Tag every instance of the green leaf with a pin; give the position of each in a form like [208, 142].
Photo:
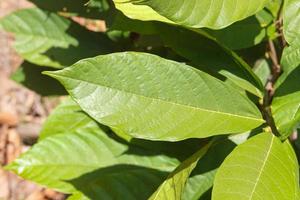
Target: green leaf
[263, 70]
[261, 168]
[66, 118]
[140, 12]
[291, 21]
[69, 118]
[173, 186]
[119, 182]
[199, 186]
[62, 160]
[197, 13]
[286, 104]
[30, 76]
[274, 7]
[47, 39]
[249, 31]
[202, 48]
[153, 98]
[211, 57]
[77, 196]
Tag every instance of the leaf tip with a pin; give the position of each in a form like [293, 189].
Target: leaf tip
[48, 73]
[52, 74]
[11, 167]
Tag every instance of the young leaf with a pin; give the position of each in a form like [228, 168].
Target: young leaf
[47, 39]
[153, 98]
[261, 168]
[197, 13]
[291, 21]
[173, 186]
[64, 161]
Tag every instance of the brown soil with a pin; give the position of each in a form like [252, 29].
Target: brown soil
[22, 113]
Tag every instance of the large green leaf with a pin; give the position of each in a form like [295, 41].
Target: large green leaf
[209, 56]
[64, 161]
[153, 98]
[69, 118]
[202, 48]
[261, 168]
[291, 21]
[47, 39]
[197, 13]
[173, 186]
[286, 104]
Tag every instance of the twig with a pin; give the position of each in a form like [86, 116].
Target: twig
[276, 69]
[269, 89]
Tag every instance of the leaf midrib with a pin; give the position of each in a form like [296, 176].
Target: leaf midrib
[162, 100]
[262, 168]
[54, 40]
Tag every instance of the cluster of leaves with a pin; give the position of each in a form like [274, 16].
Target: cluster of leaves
[170, 114]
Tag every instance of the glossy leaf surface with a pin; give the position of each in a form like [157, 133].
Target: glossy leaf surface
[261, 168]
[152, 98]
[207, 55]
[66, 118]
[197, 13]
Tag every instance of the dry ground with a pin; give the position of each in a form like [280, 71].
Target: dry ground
[21, 114]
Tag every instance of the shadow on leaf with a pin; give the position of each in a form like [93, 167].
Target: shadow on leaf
[290, 85]
[119, 182]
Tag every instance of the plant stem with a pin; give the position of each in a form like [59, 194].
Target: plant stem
[269, 89]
